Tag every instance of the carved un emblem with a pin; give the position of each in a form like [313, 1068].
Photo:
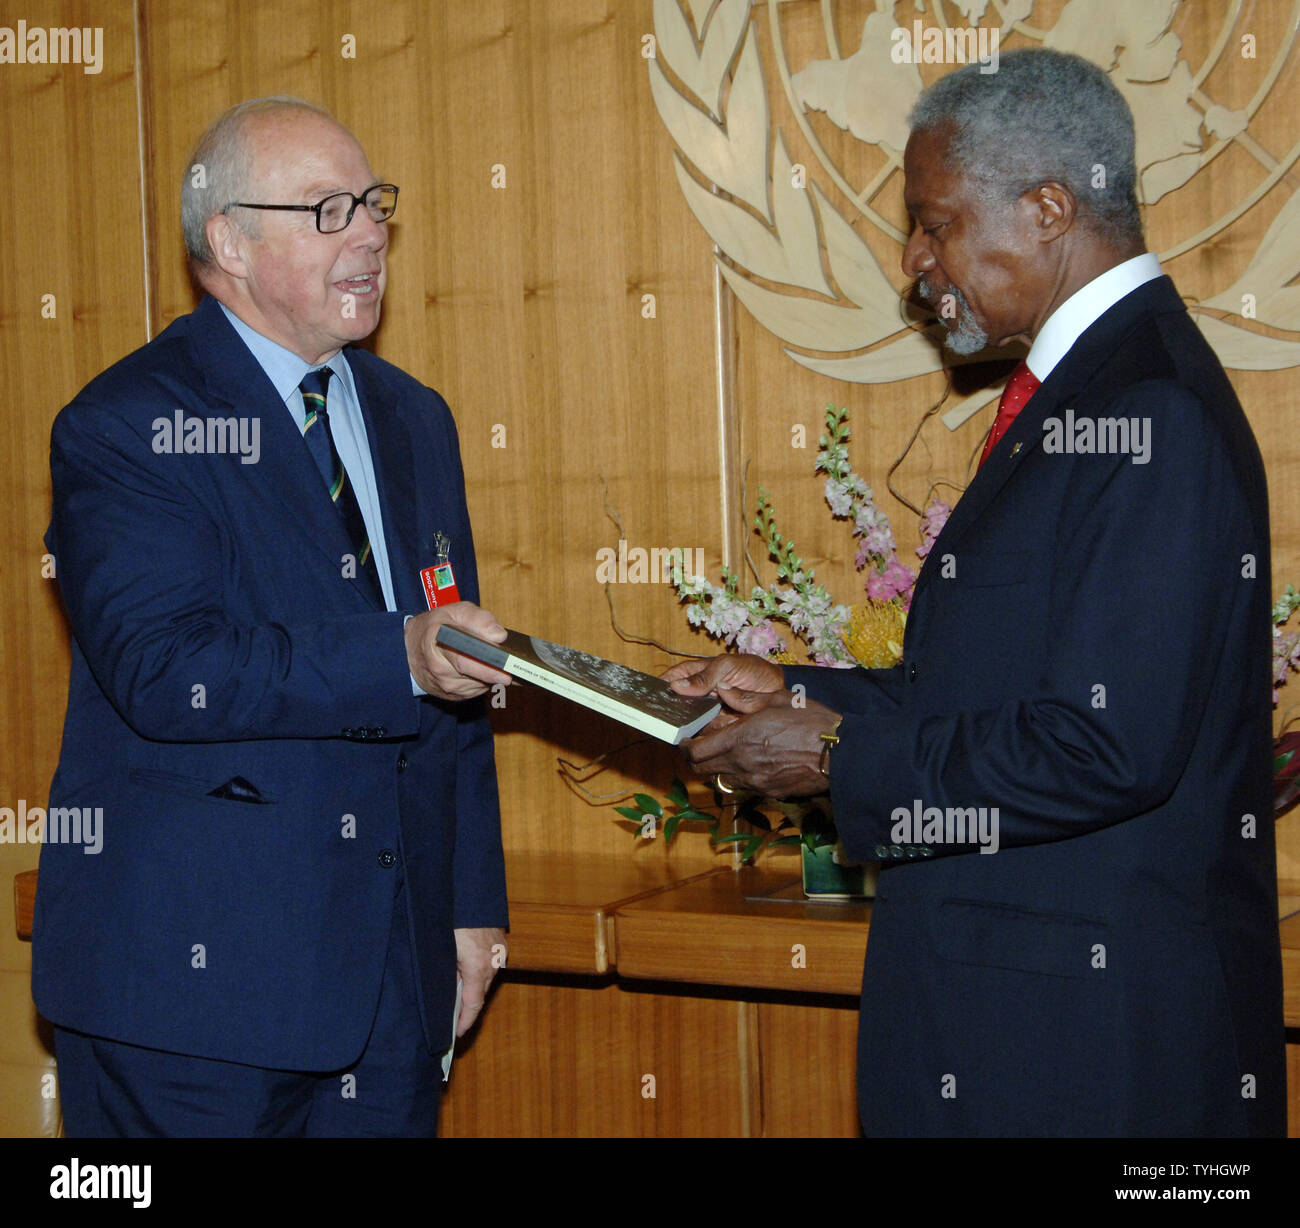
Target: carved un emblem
[803, 243]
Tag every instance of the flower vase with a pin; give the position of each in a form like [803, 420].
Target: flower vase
[828, 874]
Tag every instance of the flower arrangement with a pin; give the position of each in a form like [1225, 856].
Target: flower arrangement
[1286, 644]
[1286, 657]
[869, 633]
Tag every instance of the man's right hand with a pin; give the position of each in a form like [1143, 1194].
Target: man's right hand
[732, 671]
[446, 674]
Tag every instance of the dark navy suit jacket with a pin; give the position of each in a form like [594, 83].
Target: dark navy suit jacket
[216, 637]
[1088, 650]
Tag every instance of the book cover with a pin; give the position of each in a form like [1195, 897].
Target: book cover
[640, 700]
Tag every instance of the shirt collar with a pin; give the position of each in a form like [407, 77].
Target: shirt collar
[1085, 306]
[283, 367]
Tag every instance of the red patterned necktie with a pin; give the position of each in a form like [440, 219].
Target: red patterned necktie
[1015, 396]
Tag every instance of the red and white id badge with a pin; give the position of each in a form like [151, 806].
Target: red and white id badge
[439, 580]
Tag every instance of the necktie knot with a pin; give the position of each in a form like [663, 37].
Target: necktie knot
[315, 391]
[1022, 385]
[1015, 396]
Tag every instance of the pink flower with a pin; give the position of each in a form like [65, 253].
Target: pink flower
[879, 539]
[932, 522]
[894, 581]
[759, 638]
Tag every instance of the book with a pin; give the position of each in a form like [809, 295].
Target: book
[640, 700]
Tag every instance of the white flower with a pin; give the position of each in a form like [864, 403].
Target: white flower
[839, 497]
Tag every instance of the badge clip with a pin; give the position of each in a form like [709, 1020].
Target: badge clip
[439, 580]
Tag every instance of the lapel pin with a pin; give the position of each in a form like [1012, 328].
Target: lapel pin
[1016, 448]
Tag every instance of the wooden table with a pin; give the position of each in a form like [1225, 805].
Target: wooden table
[750, 928]
[562, 910]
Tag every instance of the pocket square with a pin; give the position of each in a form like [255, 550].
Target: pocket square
[237, 789]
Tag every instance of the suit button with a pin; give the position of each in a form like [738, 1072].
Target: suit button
[380, 731]
[349, 732]
[881, 852]
[402, 763]
[911, 672]
[387, 858]
[895, 850]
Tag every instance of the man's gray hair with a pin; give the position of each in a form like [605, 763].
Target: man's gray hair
[1043, 116]
[220, 169]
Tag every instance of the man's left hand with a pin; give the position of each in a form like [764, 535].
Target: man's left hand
[774, 748]
[479, 953]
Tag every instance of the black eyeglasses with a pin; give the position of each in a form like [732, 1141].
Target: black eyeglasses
[335, 212]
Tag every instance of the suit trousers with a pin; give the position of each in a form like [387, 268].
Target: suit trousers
[114, 1090]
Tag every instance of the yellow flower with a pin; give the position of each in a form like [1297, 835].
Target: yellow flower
[874, 636]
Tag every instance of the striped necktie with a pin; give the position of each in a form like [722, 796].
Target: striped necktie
[320, 439]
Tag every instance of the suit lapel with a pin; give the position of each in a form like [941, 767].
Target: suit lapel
[237, 384]
[1068, 379]
[391, 453]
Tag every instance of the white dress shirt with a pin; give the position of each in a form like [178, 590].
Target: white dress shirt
[1084, 307]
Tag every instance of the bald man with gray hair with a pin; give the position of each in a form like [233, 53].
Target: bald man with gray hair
[299, 902]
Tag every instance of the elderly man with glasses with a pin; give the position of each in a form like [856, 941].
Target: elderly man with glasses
[300, 897]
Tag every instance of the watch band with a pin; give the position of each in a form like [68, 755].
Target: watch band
[829, 740]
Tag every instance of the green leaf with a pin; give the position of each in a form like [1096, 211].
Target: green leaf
[733, 837]
[747, 853]
[670, 827]
[785, 840]
[691, 815]
[677, 793]
[648, 804]
[629, 813]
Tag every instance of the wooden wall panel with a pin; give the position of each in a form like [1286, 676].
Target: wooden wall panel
[588, 1076]
[70, 199]
[807, 1068]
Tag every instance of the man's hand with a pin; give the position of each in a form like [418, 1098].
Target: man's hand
[739, 671]
[479, 953]
[769, 747]
[442, 672]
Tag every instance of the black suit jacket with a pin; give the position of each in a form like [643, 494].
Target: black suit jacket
[1088, 652]
[218, 638]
